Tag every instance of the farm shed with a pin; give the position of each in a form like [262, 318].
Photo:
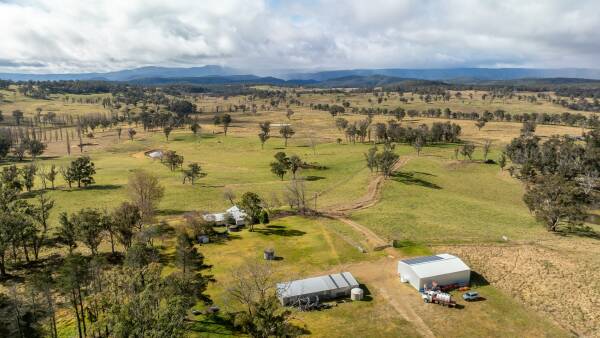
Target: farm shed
[155, 154]
[443, 269]
[220, 218]
[321, 288]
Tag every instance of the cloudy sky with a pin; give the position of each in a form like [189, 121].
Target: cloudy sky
[102, 35]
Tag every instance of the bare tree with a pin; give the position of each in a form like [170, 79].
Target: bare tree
[589, 181]
[254, 288]
[487, 145]
[229, 195]
[296, 194]
[145, 192]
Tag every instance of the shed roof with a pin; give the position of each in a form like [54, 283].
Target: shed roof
[430, 266]
[316, 284]
[234, 211]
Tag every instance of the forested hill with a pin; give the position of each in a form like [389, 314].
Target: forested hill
[440, 74]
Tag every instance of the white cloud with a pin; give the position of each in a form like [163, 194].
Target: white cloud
[75, 35]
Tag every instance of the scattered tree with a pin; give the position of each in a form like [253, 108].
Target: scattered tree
[286, 132]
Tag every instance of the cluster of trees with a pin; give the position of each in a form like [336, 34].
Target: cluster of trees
[561, 176]
[382, 161]
[24, 225]
[171, 159]
[499, 115]
[286, 132]
[394, 132]
[283, 164]
[104, 292]
[19, 146]
[334, 110]
[224, 120]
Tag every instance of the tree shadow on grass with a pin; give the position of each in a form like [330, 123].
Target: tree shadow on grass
[102, 187]
[579, 231]
[409, 178]
[206, 185]
[313, 178]
[279, 231]
[170, 212]
[212, 324]
[223, 238]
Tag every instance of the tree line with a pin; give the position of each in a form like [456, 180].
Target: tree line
[561, 177]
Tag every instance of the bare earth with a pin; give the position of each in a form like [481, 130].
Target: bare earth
[559, 278]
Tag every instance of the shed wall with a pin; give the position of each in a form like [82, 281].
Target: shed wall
[406, 272]
[458, 277]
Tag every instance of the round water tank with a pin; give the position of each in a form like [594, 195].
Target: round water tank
[357, 294]
[269, 254]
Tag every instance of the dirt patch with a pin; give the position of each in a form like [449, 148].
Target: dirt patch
[559, 278]
[383, 282]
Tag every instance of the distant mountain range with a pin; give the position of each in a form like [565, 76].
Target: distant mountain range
[449, 74]
[212, 74]
[128, 74]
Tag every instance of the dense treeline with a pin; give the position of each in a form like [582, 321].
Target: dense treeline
[561, 175]
[499, 115]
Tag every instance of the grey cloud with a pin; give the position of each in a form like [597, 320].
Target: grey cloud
[72, 35]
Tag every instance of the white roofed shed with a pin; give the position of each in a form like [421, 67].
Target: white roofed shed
[221, 217]
[322, 287]
[443, 269]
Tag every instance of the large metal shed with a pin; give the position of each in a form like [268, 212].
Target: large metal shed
[443, 269]
[316, 288]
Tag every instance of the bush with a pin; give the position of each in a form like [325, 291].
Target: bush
[264, 217]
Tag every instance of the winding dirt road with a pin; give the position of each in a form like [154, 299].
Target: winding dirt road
[380, 275]
[369, 199]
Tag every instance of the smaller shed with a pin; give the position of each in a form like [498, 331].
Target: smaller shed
[155, 154]
[443, 269]
[316, 288]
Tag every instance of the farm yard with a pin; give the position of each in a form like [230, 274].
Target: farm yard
[332, 214]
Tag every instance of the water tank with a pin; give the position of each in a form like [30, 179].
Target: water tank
[357, 294]
[443, 297]
[269, 254]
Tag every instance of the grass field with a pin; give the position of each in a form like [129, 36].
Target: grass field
[435, 198]
[433, 202]
[231, 162]
[309, 247]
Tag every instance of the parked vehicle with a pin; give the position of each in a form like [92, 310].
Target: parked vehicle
[438, 297]
[471, 296]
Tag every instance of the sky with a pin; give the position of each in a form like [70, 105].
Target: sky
[56, 36]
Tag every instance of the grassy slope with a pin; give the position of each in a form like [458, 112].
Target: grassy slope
[472, 196]
[434, 199]
[231, 162]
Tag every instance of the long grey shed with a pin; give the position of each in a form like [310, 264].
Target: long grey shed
[323, 287]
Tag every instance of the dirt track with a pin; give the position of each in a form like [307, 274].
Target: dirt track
[382, 280]
[386, 284]
[370, 198]
[559, 278]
